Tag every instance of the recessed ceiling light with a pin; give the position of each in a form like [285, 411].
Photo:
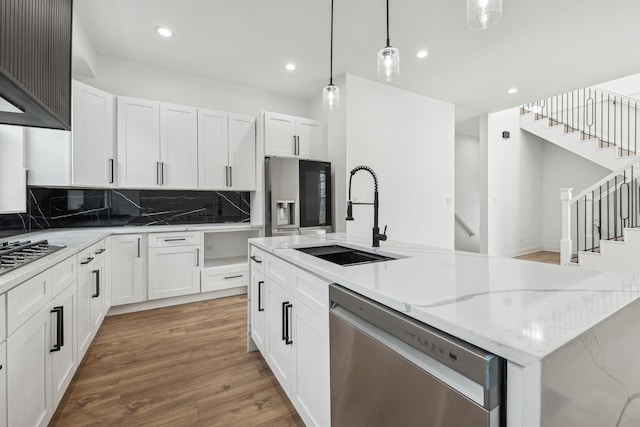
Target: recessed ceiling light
[164, 32]
[290, 67]
[512, 91]
[422, 54]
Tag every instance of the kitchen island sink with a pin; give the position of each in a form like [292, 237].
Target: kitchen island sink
[343, 255]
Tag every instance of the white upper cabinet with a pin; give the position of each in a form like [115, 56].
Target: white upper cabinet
[157, 145]
[138, 143]
[279, 135]
[226, 151]
[312, 142]
[288, 136]
[13, 176]
[213, 149]
[178, 146]
[93, 147]
[242, 152]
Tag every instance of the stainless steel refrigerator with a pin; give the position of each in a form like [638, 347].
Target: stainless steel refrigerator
[298, 197]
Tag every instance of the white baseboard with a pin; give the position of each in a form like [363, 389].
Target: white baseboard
[167, 302]
[551, 248]
[523, 251]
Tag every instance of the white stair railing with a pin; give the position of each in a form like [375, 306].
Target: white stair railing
[601, 212]
[597, 114]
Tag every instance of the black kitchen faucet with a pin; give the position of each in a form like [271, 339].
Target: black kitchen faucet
[377, 236]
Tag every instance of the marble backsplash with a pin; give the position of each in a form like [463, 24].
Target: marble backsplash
[61, 208]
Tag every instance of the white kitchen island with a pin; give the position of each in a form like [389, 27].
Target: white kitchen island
[571, 336]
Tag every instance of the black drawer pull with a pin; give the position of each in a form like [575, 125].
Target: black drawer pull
[253, 258]
[59, 328]
[288, 341]
[233, 277]
[260, 307]
[285, 328]
[100, 251]
[97, 274]
[86, 261]
[176, 239]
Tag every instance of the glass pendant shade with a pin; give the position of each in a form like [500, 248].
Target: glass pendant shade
[388, 64]
[331, 97]
[482, 14]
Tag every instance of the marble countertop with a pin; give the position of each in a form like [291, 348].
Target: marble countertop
[519, 310]
[77, 239]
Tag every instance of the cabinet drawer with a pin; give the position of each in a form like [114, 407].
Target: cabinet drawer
[93, 253]
[64, 274]
[257, 258]
[161, 240]
[277, 270]
[311, 290]
[26, 299]
[3, 322]
[216, 279]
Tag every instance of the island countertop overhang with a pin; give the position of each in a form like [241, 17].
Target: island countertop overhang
[519, 310]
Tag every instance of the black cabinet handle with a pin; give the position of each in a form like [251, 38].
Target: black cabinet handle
[176, 240]
[59, 328]
[86, 261]
[253, 258]
[288, 341]
[112, 176]
[230, 176]
[285, 327]
[138, 247]
[233, 277]
[100, 251]
[260, 307]
[97, 274]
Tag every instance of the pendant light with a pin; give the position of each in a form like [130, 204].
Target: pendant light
[388, 59]
[331, 93]
[482, 14]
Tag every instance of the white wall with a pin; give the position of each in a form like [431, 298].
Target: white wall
[514, 194]
[143, 81]
[408, 139]
[562, 169]
[336, 148]
[467, 187]
[627, 86]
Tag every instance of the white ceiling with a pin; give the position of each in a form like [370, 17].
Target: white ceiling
[543, 47]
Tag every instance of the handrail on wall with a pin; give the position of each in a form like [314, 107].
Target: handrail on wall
[464, 225]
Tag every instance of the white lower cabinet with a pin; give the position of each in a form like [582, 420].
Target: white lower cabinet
[278, 347]
[64, 353]
[30, 401]
[128, 269]
[310, 379]
[3, 384]
[174, 271]
[91, 294]
[258, 318]
[292, 333]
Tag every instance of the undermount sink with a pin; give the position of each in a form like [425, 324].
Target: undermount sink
[343, 255]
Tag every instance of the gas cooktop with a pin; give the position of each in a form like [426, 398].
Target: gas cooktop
[18, 253]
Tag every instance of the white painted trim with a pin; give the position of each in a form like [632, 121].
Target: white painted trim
[167, 302]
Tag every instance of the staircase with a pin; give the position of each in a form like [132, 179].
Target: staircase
[601, 225]
[597, 125]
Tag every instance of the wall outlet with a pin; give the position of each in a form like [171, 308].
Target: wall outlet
[209, 248]
[449, 201]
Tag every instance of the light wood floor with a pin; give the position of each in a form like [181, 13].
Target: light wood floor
[542, 256]
[185, 365]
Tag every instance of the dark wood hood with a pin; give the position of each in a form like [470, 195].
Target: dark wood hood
[35, 62]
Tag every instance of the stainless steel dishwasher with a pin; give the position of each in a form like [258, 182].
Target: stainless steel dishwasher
[390, 370]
